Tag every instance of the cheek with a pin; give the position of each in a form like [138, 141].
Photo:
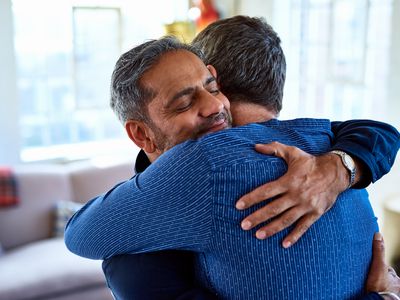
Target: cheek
[154, 115]
[225, 101]
[185, 124]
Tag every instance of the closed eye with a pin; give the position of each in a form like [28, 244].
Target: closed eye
[183, 107]
[212, 86]
[215, 92]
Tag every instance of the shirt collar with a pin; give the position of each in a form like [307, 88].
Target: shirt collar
[142, 162]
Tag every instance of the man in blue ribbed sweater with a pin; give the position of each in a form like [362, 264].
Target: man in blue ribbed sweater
[215, 171]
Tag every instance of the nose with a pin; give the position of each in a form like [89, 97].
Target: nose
[210, 105]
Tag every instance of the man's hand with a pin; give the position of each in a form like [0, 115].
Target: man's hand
[307, 190]
[381, 277]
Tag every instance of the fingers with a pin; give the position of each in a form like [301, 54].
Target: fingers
[267, 212]
[262, 193]
[277, 149]
[287, 219]
[378, 253]
[286, 214]
[271, 189]
[377, 278]
[302, 226]
[306, 188]
[270, 149]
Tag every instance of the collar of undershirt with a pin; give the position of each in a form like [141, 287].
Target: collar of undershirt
[142, 162]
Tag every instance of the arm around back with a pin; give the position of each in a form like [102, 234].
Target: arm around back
[155, 210]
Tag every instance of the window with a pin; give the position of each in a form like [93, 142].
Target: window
[65, 56]
[65, 52]
[337, 54]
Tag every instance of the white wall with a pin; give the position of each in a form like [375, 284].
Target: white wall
[257, 8]
[393, 107]
[388, 186]
[9, 130]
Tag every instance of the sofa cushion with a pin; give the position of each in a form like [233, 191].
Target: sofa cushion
[40, 187]
[90, 181]
[43, 269]
[63, 211]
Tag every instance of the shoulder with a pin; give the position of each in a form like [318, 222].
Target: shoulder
[184, 156]
[311, 135]
[301, 124]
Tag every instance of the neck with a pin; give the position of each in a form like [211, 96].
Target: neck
[153, 156]
[244, 113]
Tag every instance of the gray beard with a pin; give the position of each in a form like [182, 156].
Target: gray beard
[164, 142]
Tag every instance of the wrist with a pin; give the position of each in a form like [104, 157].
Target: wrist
[349, 166]
[333, 164]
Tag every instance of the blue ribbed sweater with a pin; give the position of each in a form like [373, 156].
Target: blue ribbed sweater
[185, 200]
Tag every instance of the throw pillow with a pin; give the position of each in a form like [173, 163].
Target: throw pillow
[8, 187]
[64, 210]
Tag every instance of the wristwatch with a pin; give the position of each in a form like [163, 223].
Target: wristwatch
[349, 164]
[390, 294]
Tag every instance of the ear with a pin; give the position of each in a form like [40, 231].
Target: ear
[212, 70]
[140, 134]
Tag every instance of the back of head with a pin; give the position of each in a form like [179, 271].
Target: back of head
[129, 96]
[249, 60]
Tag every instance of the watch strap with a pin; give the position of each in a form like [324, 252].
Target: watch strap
[352, 169]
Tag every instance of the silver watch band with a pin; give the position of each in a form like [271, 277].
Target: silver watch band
[390, 294]
[349, 164]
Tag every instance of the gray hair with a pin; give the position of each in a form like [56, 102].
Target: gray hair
[129, 97]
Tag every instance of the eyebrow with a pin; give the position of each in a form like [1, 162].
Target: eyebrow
[187, 91]
[209, 80]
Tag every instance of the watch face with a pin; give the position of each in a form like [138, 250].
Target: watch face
[349, 161]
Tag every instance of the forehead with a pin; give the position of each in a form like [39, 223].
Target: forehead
[175, 71]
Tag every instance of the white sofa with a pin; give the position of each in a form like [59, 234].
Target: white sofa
[35, 264]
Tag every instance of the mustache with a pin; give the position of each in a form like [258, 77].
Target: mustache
[211, 120]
